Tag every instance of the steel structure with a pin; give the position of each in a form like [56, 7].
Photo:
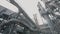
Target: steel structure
[51, 14]
[16, 23]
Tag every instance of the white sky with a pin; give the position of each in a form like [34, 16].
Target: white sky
[30, 7]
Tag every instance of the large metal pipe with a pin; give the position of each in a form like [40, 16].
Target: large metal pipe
[8, 5]
[19, 21]
[22, 11]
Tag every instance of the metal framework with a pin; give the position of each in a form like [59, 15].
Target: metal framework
[16, 23]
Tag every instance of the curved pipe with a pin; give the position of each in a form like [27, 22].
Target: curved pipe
[21, 11]
[21, 21]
